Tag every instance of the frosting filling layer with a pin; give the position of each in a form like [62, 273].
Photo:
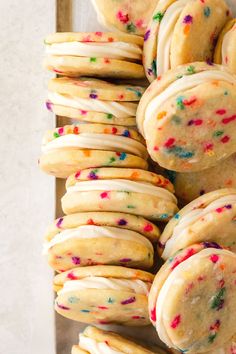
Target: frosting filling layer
[94, 347]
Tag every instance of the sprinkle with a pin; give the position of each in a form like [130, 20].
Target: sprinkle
[126, 133]
[109, 116]
[124, 18]
[102, 307]
[147, 35]
[62, 307]
[77, 174]
[93, 60]
[214, 258]
[59, 222]
[177, 260]
[85, 311]
[229, 119]
[190, 102]
[148, 228]
[114, 130]
[136, 91]
[218, 300]
[123, 156]
[110, 300]
[176, 120]
[131, 27]
[71, 276]
[104, 195]
[75, 260]
[122, 222]
[90, 222]
[128, 301]
[207, 11]
[188, 19]
[195, 122]
[179, 102]
[218, 133]
[83, 112]
[180, 152]
[191, 69]
[125, 260]
[93, 95]
[177, 216]
[169, 143]
[131, 207]
[221, 112]
[211, 245]
[176, 321]
[158, 16]
[161, 115]
[49, 105]
[187, 29]
[225, 139]
[153, 314]
[76, 130]
[56, 135]
[136, 317]
[92, 174]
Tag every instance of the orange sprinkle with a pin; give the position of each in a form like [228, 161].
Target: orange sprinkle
[186, 29]
[134, 175]
[222, 266]
[161, 115]
[87, 153]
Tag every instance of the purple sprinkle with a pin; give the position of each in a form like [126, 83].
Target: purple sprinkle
[190, 122]
[209, 62]
[188, 19]
[122, 222]
[49, 105]
[147, 35]
[128, 301]
[161, 245]
[211, 245]
[93, 95]
[60, 221]
[75, 260]
[221, 305]
[62, 307]
[124, 260]
[229, 206]
[92, 175]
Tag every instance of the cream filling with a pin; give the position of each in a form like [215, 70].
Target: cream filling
[113, 50]
[134, 286]
[165, 35]
[118, 109]
[107, 142]
[124, 186]
[179, 86]
[190, 218]
[93, 231]
[94, 347]
[225, 50]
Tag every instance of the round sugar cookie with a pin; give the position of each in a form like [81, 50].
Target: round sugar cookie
[172, 37]
[209, 218]
[188, 117]
[104, 295]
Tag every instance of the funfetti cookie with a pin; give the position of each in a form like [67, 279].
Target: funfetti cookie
[132, 191]
[95, 101]
[225, 51]
[189, 186]
[100, 54]
[104, 295]
[180, 32]
[100, 238]
[131, 16]
[95, 340]
[209, 218]
[188, 117]
[192, 301]
[72, 147]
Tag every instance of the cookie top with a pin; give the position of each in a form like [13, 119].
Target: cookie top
[206, 218]
[206, 278]
[120, 220]
[95, 89]
[131, 16]
[171, 36]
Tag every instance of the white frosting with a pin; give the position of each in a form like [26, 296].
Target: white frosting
[135, 286]
[118, 109]
[165, 35]
[122, 185]
[225, 50]
[106, 142]
[113, 50]
[94, 347]
[190, 218]
[93, 231]
[185, 83]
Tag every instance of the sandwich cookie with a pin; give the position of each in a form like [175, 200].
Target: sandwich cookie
[104, 295]
[131, 16]
[188, 117]
[101, 54]
[225, 51]
[97, 341]
[189, 186]
[172, 37]
[192, 301]
[100, 238]
[72, 147]
[93, 100]
[132, 191]
[210, 218]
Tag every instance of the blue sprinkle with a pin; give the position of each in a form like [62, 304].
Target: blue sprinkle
[207, 11]
[163, 216]
[177, 216]
[126, 133]
[180, 152]
[86, 311]
[137, 92]
[123, 156]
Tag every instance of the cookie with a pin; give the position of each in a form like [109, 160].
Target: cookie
[72, 147]
[99, 54]
[192, 301]
[104, 295]
[189, 186]
[132, 191]
[100, 238]
[187, 117]
[225, 51]
[209, 218]
[95, 340]
[93, 100]
[131, 16]
[173, 34]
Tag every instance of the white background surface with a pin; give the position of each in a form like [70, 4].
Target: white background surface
[27, 196]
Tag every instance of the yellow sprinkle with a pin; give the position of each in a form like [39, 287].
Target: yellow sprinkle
[161, 115]
[210, 153]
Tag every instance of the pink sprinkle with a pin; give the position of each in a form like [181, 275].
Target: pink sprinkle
[103, 307]
[58, 71]
[139, 23]
[225, 139]
[71, 276]
[153, 314]
[156, 148]
[75, 260]
[62, 307]
[148, 228]
[208, 147]
[219, 210]
[99, 34]
[214, 258]
[83, 112]
[61, 130]
[229, 119]
[169, 143]
[104, 195]
[77, 174]
[124, 18]
[59, 222]
[221, 112]
[136, 317]
[128, 301]
[176, 321]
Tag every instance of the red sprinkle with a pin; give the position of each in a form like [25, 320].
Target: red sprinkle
[114, 130]
[229, 119]
[170, 142]
[104, 195]
[225, 139]
[148, 228]
[179, 260]
[214, 258]
[189, 102]
[221, 112]
[71, 276]
[153, 314]
[176, 321]
[103, 307]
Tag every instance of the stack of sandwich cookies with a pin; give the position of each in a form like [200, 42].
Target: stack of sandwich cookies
[104, 295]
[131, 16]
[172, 37]
[225, 51]
[101, 238]
[100, 54]
[132, 191]
[93, 100]
[73, 147]
[94, 340]
[188, 117]
[189, 186]
[209, 218]
[192, 301]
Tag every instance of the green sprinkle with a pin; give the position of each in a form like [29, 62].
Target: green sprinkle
[207, 11]
[179, 77]
[154, 67]
[110, 301]
[137, 92]
[131, 207]
[158, 16]
[176, 120]
[218, 133]
[109, 116]
[191, 70]
[112, 159]
[56, 135]
[218, 299]
[179, 102]
[211, 338]
[226, 93]
[131, 27]
[93, 60]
